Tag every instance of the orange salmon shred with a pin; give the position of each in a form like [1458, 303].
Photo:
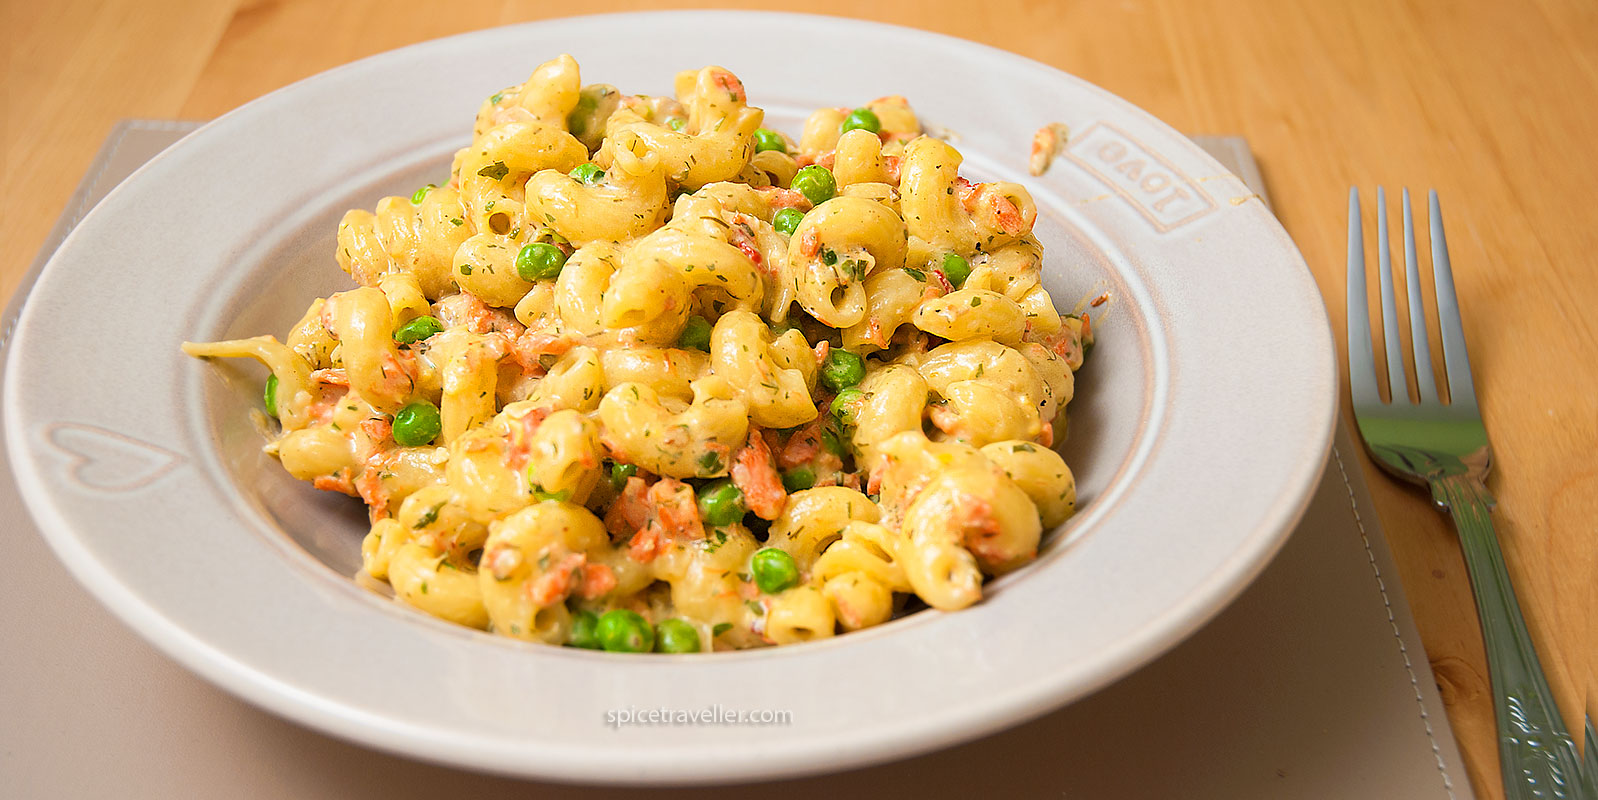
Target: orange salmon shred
[756, 476]
[556, 584]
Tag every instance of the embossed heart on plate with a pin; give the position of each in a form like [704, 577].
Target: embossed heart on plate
[109, 462]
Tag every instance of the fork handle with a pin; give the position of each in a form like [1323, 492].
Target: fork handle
[1537, 755]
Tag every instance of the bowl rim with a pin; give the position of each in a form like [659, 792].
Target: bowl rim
[51, 507]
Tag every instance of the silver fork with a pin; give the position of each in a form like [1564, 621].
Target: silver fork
[1444, 447]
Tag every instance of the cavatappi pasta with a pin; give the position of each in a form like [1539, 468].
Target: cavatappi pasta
[645, 375]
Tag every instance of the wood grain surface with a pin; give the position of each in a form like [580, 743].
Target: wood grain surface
[1495, 104]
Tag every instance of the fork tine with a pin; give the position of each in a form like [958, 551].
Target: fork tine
[1456, 361]
[1425, 382]
[1397, 387]
[1361, 359]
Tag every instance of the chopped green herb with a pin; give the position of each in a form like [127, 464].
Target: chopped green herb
[428, 517]
[541, 496]
[495, 171]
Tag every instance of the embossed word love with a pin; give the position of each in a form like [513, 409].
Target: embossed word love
[1163, 194]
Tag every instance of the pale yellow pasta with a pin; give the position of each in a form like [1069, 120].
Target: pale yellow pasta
[294, 388]
[469, 379]
[564, 455]
[507, 155]
[801, 614]
[857, 600]
[485, 266]
[835, 248]
[777, 397]
[361, 321]
[532, 561]
[648, 297]
[379, 545]
[935, 212]
[618, 371]
[704, 578]
[627, 202]
[864, 548]
[991, 392]
[815, 518]
[885, 193]
[897, 119]
[821, 130]
[436, 516]
[310, 339]
[895, 398]
[405, 298]
[420, 239]
[668, 437]
[668, 370]
[486, 486]
[718, 141]
[550, 95]
[778, 168]
[859, 160]
[577, 381]
[971, 314]
[892, 299]
[309, 453]
[1041, 473]
[433, 583]
[702, 262]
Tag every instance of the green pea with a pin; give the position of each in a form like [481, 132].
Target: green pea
[539, 260]
[589, 173]
[585, 631]
[815, 183]
[767, 139]
[623, 631]
[846, 406]
[676, 123]
[721, 503]
[861, 119]
[787, 220]
[955, 269]
[418, 329]
[676, 636]
[833, 440]
[417, 424]
[842, 369]
[798, 479]
[421, 194]
[774, 570]
[695, 335]
[270, 395]
[619, 473]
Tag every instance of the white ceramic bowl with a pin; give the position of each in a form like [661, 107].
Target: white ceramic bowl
[1200, 424]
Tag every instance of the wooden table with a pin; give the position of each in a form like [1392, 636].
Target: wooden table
[1491, 103]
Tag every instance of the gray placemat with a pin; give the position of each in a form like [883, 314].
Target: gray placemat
[1313, 684]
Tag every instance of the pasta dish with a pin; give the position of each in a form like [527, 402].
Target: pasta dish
[643, 375]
